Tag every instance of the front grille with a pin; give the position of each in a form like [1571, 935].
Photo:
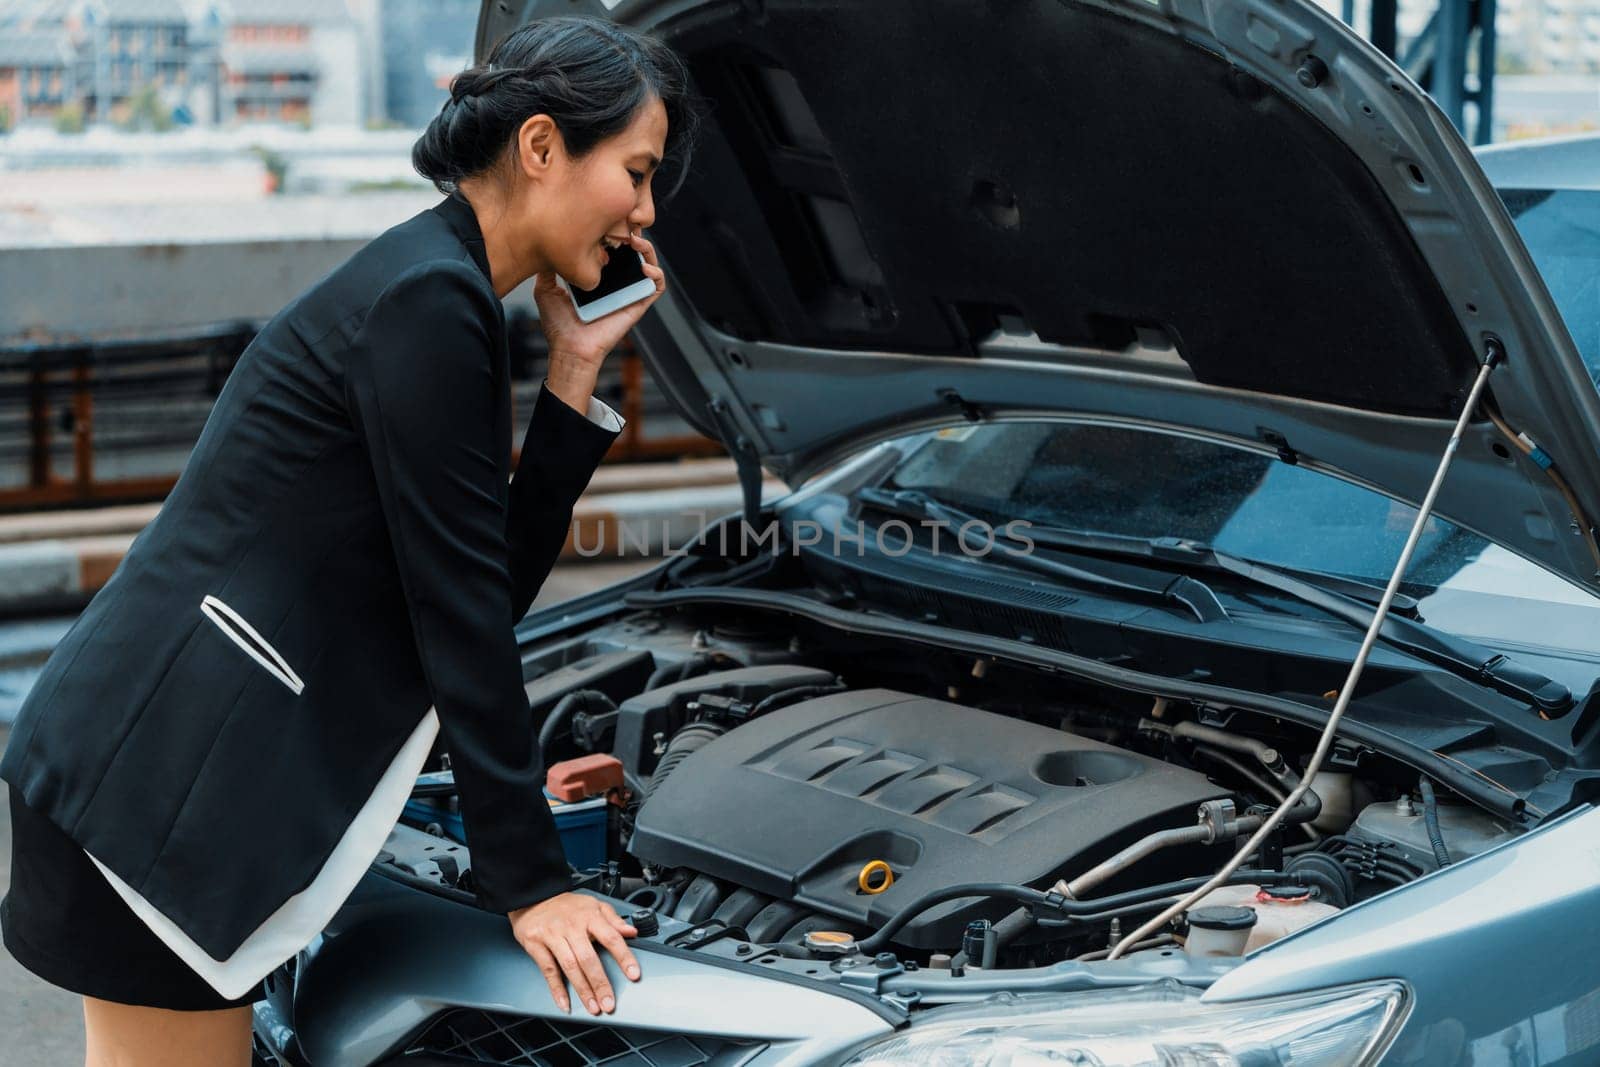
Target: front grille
[495, 1037]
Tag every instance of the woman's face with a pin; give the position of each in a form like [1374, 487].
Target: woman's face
[590, 205]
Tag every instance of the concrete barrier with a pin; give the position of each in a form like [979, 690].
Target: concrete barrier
[57, 525]
[58, 560]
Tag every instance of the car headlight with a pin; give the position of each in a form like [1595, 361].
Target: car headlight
[1160, 1025]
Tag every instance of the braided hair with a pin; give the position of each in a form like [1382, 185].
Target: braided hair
[589, 75]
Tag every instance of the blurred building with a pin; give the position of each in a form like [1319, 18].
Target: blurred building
[425, 44]
[190, 61]
[126, 46]
[38, 62]
[291, 61]
[1549, 36]
[38, 74]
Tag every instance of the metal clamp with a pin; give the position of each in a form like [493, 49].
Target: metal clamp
[1218, 816]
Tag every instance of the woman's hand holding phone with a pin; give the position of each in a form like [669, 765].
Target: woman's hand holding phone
[578, 348]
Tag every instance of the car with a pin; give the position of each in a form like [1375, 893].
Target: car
[1070, 707]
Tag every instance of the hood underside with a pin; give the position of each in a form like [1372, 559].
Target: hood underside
[1233, 218]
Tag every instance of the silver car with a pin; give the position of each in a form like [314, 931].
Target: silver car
[1112, 349]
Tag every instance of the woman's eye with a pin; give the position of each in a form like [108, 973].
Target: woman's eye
[636, 176]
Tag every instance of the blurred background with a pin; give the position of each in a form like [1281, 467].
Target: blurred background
[172, 172]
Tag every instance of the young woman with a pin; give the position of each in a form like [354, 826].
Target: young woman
[219, 746]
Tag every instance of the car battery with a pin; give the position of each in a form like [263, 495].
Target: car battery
[581, 823]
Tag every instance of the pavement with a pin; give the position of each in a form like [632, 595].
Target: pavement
[42, 1025]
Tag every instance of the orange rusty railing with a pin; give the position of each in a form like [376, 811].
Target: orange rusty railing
[57, 400]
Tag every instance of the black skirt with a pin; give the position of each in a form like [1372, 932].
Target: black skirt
[63, 921]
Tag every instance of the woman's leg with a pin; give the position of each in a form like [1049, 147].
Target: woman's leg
[122, 1035]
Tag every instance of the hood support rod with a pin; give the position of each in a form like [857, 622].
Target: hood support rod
[745, 459]
[1493, 354]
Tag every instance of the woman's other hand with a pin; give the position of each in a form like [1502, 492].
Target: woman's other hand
[559, 933]
[577, 348]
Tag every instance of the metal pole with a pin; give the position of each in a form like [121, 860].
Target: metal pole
[1484, 132]
[1450, 61]
[38, 423]
[83, 424]
[1383, 33]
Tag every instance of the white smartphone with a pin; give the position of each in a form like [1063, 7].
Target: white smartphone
[622, 281]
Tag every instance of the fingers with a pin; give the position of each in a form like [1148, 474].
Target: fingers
[652, 269]
[608, 936]
[561, 946]
[575, 971]
[552, 974]
[556, 309]
[646, 249]
[600, 998]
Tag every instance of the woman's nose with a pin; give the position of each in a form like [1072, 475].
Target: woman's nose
[644, 212]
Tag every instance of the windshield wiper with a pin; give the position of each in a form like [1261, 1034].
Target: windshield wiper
[1463, 658]
[1341, 598]
[1192, 595]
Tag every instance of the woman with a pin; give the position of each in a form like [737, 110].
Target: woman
[219, 746]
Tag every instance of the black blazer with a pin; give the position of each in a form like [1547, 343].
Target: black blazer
[348, 501]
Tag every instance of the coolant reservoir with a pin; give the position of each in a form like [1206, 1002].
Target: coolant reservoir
[1275, 916]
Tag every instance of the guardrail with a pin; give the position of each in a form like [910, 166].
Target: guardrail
[91, 422]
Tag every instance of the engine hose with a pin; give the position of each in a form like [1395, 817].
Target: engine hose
[687, 741]
[561, 715]
[1012, 927]
[1399, 870]
[1054, 901]
[1430, 818]
[668, 673]
[1150, 942]
[1020, 893]
[1123, 906]
[772, 700]
[1276, 793]
[1307, 811]
[1386, 876]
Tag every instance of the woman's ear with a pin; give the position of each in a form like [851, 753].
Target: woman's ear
[538, 145]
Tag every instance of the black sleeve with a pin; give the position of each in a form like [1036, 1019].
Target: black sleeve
[560, 453]
[421, 389]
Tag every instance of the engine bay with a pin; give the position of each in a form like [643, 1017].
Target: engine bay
[821, 795]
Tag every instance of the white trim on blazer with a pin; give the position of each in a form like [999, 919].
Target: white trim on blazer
[299, 920]
[277, 666]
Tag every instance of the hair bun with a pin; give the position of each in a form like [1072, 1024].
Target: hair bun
[588, 74]
[475, 81]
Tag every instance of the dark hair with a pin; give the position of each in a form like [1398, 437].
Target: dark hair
[589, 75]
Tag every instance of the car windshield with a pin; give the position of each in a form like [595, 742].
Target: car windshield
[1562, 231]
[1144, 484]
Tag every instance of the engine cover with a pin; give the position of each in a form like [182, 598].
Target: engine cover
[794, 804]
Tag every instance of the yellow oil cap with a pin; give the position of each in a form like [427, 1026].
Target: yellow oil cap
[865, 881]
[829, 943]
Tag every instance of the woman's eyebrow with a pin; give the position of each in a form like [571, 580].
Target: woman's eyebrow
[655, 161]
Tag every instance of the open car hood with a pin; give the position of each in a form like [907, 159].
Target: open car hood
[1229, 217]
